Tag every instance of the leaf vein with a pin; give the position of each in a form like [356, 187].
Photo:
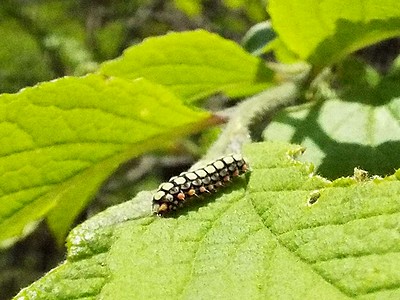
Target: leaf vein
[218, 216]
[339, 223]
[114, 115]
[291, 251]
[356, 255]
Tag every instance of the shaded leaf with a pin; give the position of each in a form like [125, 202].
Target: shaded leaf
[325, 32]
[357, 126]
[258, 37]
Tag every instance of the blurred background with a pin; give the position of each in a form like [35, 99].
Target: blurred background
[46, 39]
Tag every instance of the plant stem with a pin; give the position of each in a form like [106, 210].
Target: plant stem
[236, 132]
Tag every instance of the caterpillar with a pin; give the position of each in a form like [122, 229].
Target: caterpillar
[187, 185]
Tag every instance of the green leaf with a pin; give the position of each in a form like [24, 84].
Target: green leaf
[21, 59]
[61, 140]
[356, 126]
[190, 8]
[325, 32]
[194, 65]
[260, 239]
[281, 52]
[257, 37]
[110, 38]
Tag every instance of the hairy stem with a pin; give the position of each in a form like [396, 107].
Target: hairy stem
[236, 132]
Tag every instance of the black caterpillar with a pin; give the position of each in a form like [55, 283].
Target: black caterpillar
[174, 193]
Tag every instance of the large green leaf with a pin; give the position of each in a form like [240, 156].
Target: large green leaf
[194, 65]
[61, 140]
[324, 32]
[260, 239]
[357, 126]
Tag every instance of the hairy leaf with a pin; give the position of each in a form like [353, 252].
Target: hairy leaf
[258, 239]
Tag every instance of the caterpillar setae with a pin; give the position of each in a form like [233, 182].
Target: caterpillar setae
[174, 193]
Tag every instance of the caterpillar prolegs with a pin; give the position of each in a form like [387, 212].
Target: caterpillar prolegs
[174, 193]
